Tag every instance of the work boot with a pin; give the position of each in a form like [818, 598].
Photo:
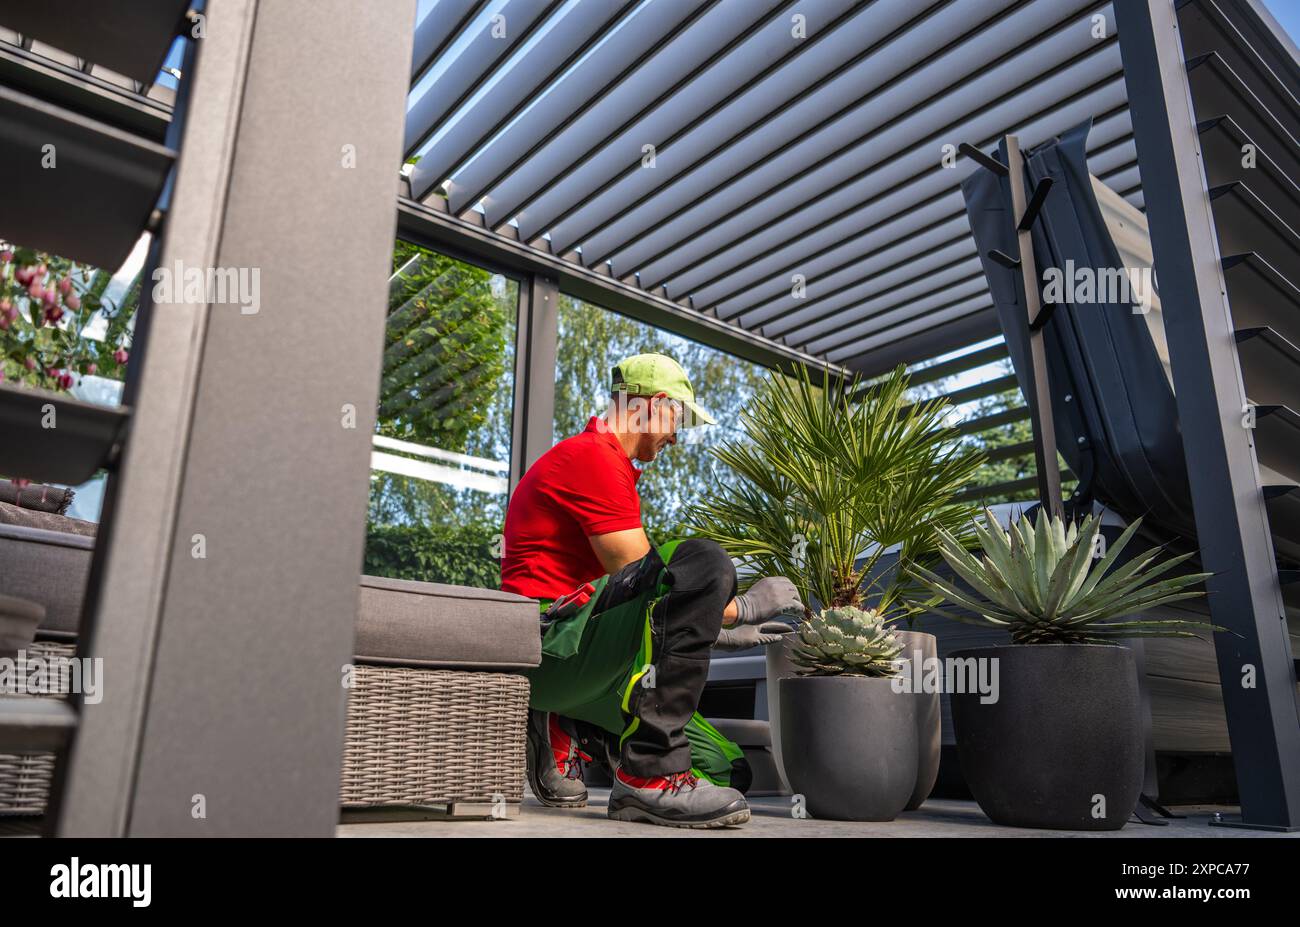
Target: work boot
[554, 763]
[679, 800]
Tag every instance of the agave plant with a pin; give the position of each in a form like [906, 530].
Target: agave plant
[1043, 584]
[831, 477]
[846, 642]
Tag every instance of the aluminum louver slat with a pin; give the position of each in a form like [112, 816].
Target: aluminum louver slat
[675, 61]
[910, 146]
[737, 89]
[875, 131]
[445, 19]
[472, 67]
[641, 32]
[574, 31]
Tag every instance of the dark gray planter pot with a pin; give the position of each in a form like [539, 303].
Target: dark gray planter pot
[929, 716]
[1061, 748]
[849, 745]
[779, 667]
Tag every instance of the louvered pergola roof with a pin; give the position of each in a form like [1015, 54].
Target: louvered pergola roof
[715, 155]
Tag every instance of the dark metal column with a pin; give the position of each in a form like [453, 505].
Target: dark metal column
[1232, 526]
[535, 345]
[226, 588]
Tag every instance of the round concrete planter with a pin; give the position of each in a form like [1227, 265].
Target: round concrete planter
[18, 621]
[779, 667]
[1061, 747]
[849, 745]
[929, 725]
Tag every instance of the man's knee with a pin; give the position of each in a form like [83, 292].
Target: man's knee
[699, 564]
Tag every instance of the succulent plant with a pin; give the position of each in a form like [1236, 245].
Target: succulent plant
[846, 641]
[1042, 583]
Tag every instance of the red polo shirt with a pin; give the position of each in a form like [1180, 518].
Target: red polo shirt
[583, 486]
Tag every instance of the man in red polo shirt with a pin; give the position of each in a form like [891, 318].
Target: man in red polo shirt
[628, 628]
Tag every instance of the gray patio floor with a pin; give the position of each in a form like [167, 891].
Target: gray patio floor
[771, 818]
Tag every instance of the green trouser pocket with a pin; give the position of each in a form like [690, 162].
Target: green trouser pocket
[563, 638]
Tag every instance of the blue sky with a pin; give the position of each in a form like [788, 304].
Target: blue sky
[1287, 13]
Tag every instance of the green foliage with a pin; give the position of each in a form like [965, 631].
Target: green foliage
[446, 384]
[42, 344]
[1041, 583]
[832, 479]
[460, 555]
[444, 350]
[846, 641]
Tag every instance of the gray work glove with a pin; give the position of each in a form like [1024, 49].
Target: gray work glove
[744, 636]
[766, 599]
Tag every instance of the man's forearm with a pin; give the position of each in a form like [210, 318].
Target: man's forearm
[730, 613]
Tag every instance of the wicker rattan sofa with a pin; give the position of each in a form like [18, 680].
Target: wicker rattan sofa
[437, 703]
[48, 567]
[438, 711]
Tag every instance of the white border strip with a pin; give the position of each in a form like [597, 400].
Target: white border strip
[466, 479]
[420, 450]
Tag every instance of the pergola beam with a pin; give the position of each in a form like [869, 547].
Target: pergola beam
[1256, 671]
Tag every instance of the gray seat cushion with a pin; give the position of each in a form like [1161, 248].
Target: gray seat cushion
[49, 568]
[407, 623]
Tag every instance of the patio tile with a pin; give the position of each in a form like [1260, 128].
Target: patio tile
[938, 818]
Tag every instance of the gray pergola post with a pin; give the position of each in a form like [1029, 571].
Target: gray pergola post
[224, 592]
[535, 345]
[1254, 655]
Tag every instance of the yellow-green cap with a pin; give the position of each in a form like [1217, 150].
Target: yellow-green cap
[648, 374]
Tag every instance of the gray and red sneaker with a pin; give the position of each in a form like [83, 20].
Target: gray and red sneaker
[679, 800]
[554, 763]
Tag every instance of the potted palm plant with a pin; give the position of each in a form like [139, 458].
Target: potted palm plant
[840, 486]
[1057, 742]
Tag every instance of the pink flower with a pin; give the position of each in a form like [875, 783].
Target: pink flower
[92, 369]
[53, 314]
[65, 286]
[51, 297]
[35, 291]
[23, 275]
[6, 257]
[30, 363]
[4, 321]
[120, 355]
[72, 301]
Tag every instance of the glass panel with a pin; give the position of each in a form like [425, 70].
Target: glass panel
[591, 342]
[442, 440]
[66, 327]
